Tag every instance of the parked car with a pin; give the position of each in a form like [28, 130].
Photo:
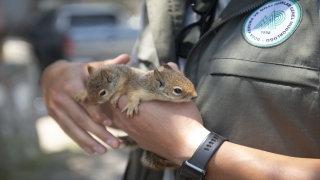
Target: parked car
[83, 32]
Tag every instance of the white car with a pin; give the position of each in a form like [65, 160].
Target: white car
[94, 31]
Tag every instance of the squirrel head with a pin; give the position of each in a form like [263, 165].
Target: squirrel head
[100, 85]
[173, 84]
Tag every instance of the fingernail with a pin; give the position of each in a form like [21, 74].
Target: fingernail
[107, 123]
[99, 149]
[112, 144]
[88, 150]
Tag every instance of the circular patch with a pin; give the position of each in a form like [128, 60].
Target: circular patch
[272, 23]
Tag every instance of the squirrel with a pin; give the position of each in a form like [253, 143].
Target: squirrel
[108, 83]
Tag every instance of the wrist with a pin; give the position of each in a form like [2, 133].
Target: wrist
[192, 141]
[195, 167]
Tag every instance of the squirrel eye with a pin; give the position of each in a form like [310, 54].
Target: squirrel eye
[109, 80]
[102, 93]
[177, 90]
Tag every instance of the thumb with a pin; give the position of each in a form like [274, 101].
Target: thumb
[121, 59]
[173, 65]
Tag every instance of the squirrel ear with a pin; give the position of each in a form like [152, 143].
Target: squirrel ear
[158, 77]
[90, 69]
[165, 65]
[104, 75]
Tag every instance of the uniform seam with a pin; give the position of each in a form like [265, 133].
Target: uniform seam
[273, 63]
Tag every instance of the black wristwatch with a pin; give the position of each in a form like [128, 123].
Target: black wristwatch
[195, 167]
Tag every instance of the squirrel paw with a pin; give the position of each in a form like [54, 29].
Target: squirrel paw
[114, 103]
[81, 97]
[130, 110]
[114, 99]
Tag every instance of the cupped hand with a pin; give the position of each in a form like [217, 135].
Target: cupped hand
[171, 130]
[60, 83]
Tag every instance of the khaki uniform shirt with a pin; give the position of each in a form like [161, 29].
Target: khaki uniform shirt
[256, 73]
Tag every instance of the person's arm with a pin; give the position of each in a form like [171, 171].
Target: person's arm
[60, 83]
[234, 161]
[174, 131]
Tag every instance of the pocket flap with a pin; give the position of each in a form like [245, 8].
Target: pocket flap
[266, 71]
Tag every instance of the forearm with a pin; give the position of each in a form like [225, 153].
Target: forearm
[174, 131]
[234, 161]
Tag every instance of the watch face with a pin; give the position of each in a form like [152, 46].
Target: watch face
[189, 171]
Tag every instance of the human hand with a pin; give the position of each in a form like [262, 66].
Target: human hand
[171, 130]
[60, 82]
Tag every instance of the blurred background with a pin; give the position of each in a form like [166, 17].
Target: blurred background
[34, 34]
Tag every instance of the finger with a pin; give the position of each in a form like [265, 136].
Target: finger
[85, 121]
[123, 100]
[79, 115]
[80, 136]
[121, 59]
[123, 123]
[173, 65]
[73, 89]
[97, 114]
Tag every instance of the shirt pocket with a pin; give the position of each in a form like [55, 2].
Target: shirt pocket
[268, 72]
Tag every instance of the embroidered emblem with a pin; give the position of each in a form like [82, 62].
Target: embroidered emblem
[272, 23]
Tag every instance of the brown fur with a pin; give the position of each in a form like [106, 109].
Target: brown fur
[108, 83]
[117, 80]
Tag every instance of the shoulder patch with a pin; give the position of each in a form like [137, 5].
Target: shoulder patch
[272, 23]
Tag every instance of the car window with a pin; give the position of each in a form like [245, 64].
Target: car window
[93, 20]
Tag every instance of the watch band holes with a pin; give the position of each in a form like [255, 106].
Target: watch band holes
[206, 149]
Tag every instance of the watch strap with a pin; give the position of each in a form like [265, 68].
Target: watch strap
[195, 167]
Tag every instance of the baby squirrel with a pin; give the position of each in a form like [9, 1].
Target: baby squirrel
[108, 83]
